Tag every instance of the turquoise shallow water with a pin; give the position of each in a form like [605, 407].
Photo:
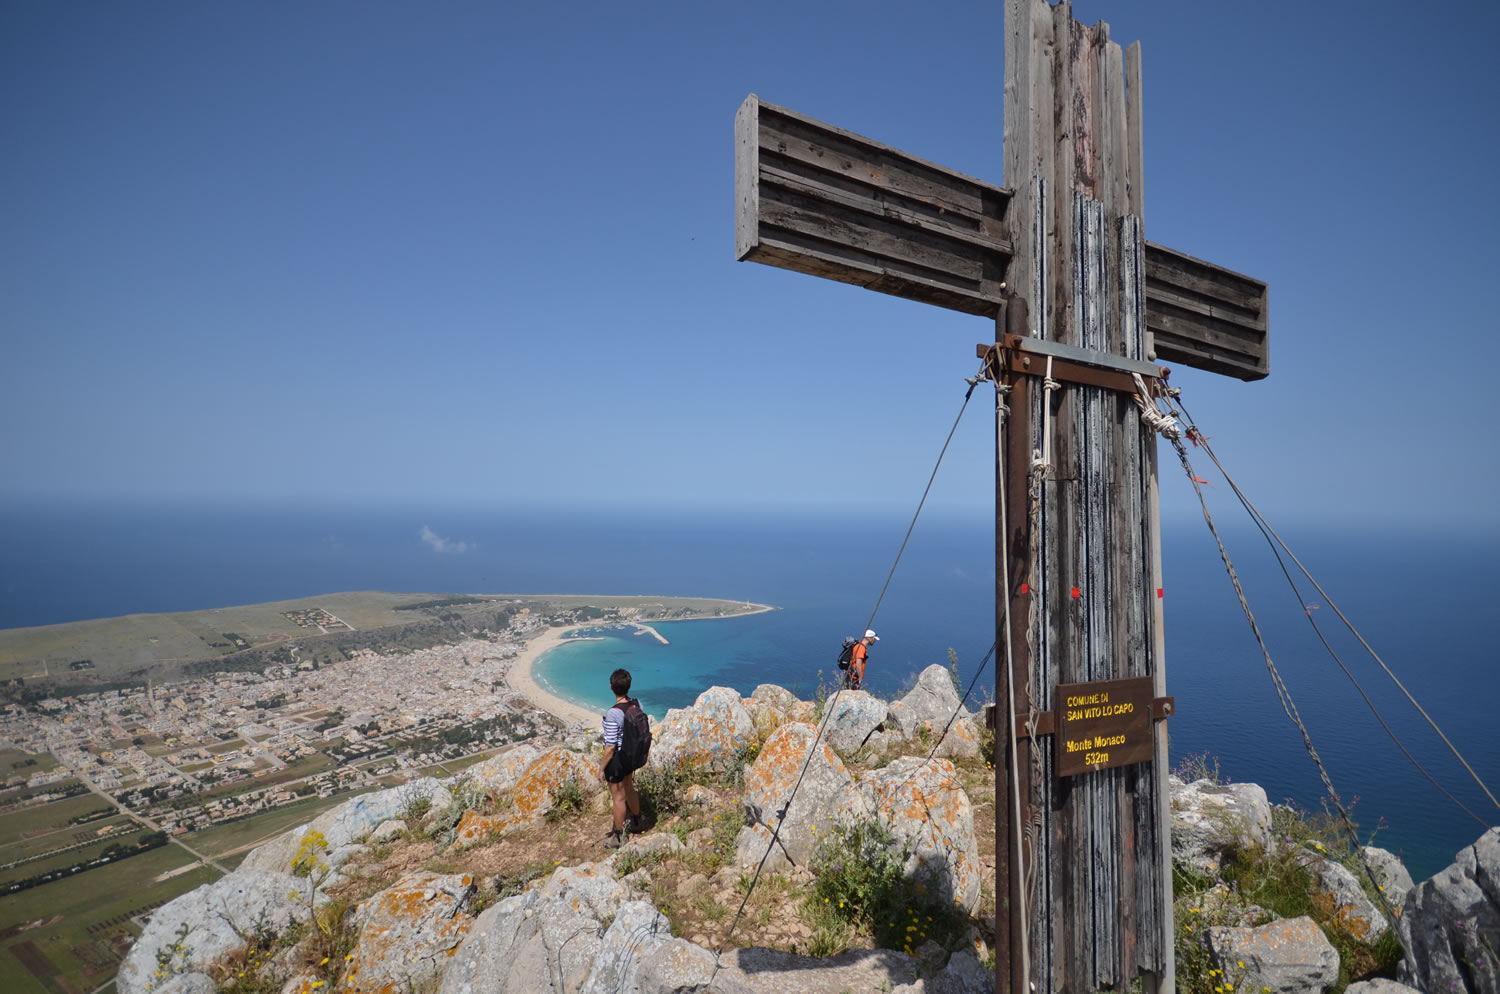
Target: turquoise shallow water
[739, 652]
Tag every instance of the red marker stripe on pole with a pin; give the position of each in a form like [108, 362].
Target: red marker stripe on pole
[1158, 593]
[1077, 592]
[1025, 588]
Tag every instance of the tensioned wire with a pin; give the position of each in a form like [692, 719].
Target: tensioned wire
[1274, 540]
[828, 707]
[1284, 695]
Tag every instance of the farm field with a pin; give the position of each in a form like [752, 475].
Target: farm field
[28, 822]
[69, 936]
[19, 795]
[15, 848]
[229, 837]
[18, 762]
[69, 857]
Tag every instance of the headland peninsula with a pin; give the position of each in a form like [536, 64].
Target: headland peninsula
[307, 632]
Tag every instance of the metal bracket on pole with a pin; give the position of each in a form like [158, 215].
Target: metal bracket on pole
[1021, 355]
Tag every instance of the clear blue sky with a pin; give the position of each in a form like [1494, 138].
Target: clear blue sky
[484, 252]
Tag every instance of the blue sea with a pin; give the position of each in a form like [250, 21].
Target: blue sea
[1421, 600]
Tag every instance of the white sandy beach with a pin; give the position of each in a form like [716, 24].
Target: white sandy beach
[520, 680]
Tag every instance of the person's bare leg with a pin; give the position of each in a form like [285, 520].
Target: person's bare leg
[617, 801]
[632, 800]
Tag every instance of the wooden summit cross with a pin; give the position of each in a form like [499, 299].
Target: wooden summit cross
[1079, 298]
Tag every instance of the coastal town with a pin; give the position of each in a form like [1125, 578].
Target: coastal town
[187, 754]
[117, 794]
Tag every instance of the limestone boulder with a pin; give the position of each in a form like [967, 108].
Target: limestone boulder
[526, 944]
[407, 932]
[388, 831]
[774, 696]
[1379, 986]
[637, 931]
[1211, 819]
[188, 983]
[707, 735]
[931, 702]
[197, 928]
[657, 843]
[699, 795]
[826, 796]
[923, 803]
[963, 974]
[501, 772]
[534, 794]
[771, 707]
[348, 823]
[1451, 923]
[1290, 956]
[589, 889]
[1286, 957]
[960, 741]
[681, 967]
[1352, 909]
[1394, 879]
[851, 717]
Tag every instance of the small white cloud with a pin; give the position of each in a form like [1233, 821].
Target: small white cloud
[441, 544]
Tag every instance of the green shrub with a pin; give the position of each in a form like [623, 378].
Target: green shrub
[509, 886]
[567, 799]
[660, 790]
[634, 859]
[1279, 882]
[860, 884]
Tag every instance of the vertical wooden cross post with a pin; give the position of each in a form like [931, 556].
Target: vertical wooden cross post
[1084, 309]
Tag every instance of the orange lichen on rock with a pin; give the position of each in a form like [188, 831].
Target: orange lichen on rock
[925, 802]
[533, 795]
[406, 930]
[707, 734]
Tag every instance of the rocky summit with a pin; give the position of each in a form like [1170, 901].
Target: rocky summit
[794, 848]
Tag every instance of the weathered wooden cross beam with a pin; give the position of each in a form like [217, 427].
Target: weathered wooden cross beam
[1083, 306]
[821, 200]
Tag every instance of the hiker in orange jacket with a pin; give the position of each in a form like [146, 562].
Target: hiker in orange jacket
[859, 656]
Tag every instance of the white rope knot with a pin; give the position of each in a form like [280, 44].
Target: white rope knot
[1163, 424]
[1041, 459]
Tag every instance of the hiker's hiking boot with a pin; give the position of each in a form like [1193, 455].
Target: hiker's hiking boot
[614, 840]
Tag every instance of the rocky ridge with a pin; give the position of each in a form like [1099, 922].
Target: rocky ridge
[445, 886]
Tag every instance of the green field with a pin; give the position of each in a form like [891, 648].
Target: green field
[17, 848]
[16, 794]
[85, 922]
[26, 823]
[16, 762]
[232, 836]
[70, 857]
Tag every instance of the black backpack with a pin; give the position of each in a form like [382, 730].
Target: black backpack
[848, 651]
[635, 743]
